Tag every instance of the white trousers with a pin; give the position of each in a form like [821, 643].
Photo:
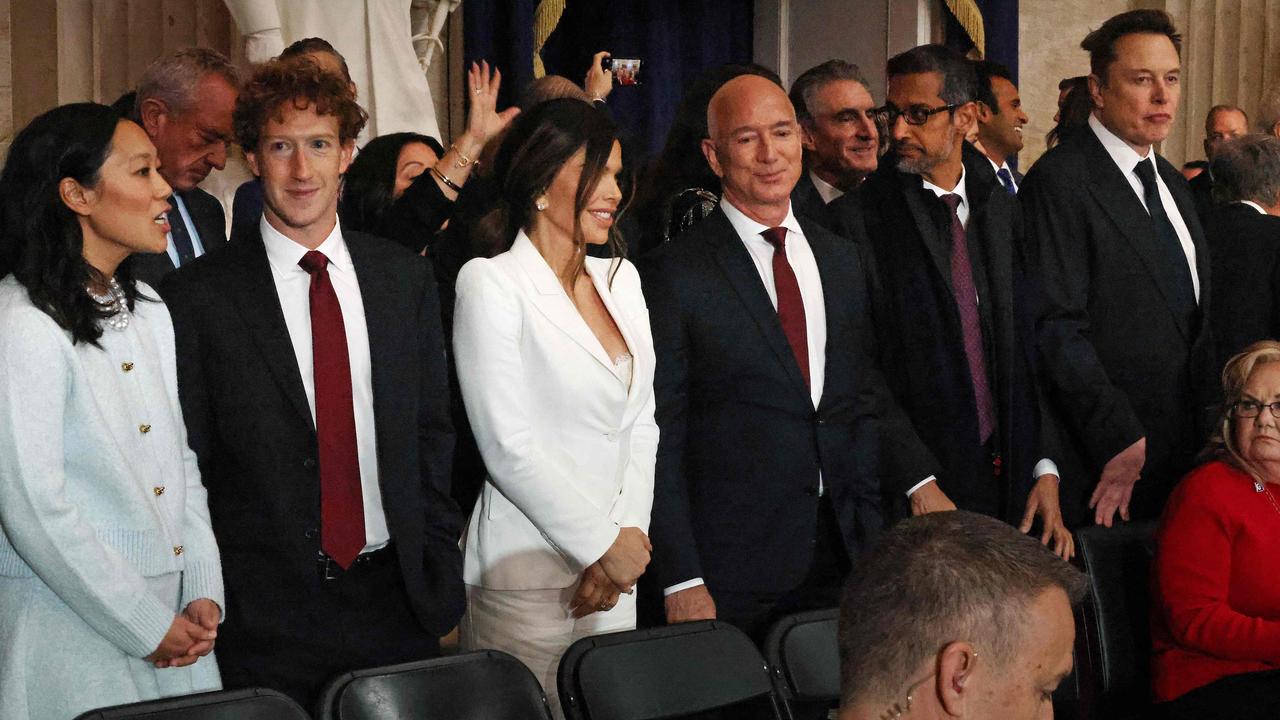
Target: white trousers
[536, 626]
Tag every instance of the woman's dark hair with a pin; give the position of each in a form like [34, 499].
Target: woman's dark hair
[537, 144]
[1073, 113]
[368, 189]
[41, 243]
[681, 164]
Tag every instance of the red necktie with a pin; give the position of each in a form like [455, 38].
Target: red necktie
[341, 498]
[966, 296]
[790, 303]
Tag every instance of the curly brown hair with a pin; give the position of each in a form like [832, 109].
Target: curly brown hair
[300, 81]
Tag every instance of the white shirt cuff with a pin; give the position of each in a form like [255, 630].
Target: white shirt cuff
[682, 586]
[922, 483]
[1046, 467]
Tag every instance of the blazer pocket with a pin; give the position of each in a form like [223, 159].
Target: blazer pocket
[496, 506]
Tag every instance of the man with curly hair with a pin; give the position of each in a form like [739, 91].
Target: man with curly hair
[313, 385]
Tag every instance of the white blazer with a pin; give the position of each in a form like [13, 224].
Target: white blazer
[569, 449]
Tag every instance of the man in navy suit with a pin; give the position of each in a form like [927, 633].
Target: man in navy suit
[771, 410]
[1000, 121]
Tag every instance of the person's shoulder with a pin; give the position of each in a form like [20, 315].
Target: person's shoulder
[21, 322]
[483, 275]
[1066, 162]
[1213, 481]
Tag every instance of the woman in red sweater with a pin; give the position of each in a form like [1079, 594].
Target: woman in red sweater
[1216, 620]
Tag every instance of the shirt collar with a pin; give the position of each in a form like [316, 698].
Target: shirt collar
[998, 168]
[959, 189]
[748, 228]
[1125, 157]
[1253, 205]
[284, 253]
[826, 190]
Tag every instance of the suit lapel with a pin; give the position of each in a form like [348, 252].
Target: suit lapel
[735, 262]
[621, 318]
[385, 313]
[254, 291]
[552, 301]
[1113, 193]
[914, 196]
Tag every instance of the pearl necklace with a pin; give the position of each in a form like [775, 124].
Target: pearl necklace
[113, 301]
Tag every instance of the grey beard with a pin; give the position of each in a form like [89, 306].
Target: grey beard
[927, 162]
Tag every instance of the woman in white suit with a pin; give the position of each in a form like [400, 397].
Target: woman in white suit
[110, 580]
[555, 361]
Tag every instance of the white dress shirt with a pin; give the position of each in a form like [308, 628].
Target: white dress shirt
[1127, 159]
[1254, 205]
[826, 190]
[1045, 466]
[293, 286]
[805, 267]
[197, 245]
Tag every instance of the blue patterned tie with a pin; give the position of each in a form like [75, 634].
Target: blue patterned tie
[1007, 181]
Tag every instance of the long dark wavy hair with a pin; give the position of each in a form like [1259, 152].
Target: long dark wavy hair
[41, 243]
[538, 143]
[368, 188]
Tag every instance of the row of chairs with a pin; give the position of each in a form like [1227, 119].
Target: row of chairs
[693, 668]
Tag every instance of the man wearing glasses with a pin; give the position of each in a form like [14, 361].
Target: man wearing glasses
[952, 310]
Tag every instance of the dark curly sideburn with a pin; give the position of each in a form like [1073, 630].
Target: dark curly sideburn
[41, 243]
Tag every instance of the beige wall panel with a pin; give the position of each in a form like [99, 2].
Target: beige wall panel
[111, 48]
[178, 24]
[145, 36]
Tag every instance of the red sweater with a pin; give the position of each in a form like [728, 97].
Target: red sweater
[1216, 582]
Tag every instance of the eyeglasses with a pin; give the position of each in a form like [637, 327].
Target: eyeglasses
[1253, 408]
[914, 115]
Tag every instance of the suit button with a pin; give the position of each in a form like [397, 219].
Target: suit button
[311, 534]
[821, 422]
[177, 549]
[309, 463]
[612, 436]
[158, 490]
[144, 428]
[126, 366]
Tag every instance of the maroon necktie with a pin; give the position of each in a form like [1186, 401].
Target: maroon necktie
[966, 295]
[790, 304]
[341, 499]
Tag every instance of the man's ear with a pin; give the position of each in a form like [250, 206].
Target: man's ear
[153, 114]
[806, 138]
[1095, 90]
[956, 685]
[709, 152]
[76, 196]
[966, 116]
[348, 152]
[251, 159]
[983, 112]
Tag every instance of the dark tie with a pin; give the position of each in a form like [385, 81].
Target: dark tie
[341, 499]
[1006, 180]
[181, 238]
[1170, 246]
[790, 303]
[966, 296]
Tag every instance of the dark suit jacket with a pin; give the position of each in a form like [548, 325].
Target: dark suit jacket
[1202, 194]
[1244, 251]
[808, 203]
[1122, 359]
[741, 446]
[922, 343]
[211, 224]
[251, 428]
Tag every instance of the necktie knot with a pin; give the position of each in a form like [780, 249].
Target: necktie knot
[777, 237]
[1006, 179]
[1145, 173]
[314, 261]
[952, 201]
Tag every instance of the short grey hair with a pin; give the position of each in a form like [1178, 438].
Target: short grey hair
[936, 579]
[173, 78]
[815, 78]
[1269, 109]
[1247, 168]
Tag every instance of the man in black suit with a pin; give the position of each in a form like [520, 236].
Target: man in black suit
[1244, 244]
[768, 480]
[184, 103]
[841, 143]
[954, 313]
[1222, 124]
[1120, 255]
[1000, 121]
[313, 383]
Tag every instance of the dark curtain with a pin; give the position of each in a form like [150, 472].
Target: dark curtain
[675, 39]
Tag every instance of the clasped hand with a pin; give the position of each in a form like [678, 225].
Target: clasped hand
[190, 637]
[616, 572]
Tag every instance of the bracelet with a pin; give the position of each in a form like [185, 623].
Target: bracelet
[462, 160]
[445, 179]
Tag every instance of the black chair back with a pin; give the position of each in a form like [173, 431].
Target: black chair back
[804, 653]
[250, 704]
[1115, 637]
[663, 672]
[485, 685]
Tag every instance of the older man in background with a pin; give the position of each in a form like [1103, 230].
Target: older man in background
[1222, 124]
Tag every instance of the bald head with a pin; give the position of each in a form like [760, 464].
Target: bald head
[754, 146]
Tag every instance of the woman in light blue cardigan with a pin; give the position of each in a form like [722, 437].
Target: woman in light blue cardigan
[110, 583]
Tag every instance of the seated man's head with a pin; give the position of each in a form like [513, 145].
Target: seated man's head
[297, 124]
[957, 615]
[1248, 168]
[184, 102]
